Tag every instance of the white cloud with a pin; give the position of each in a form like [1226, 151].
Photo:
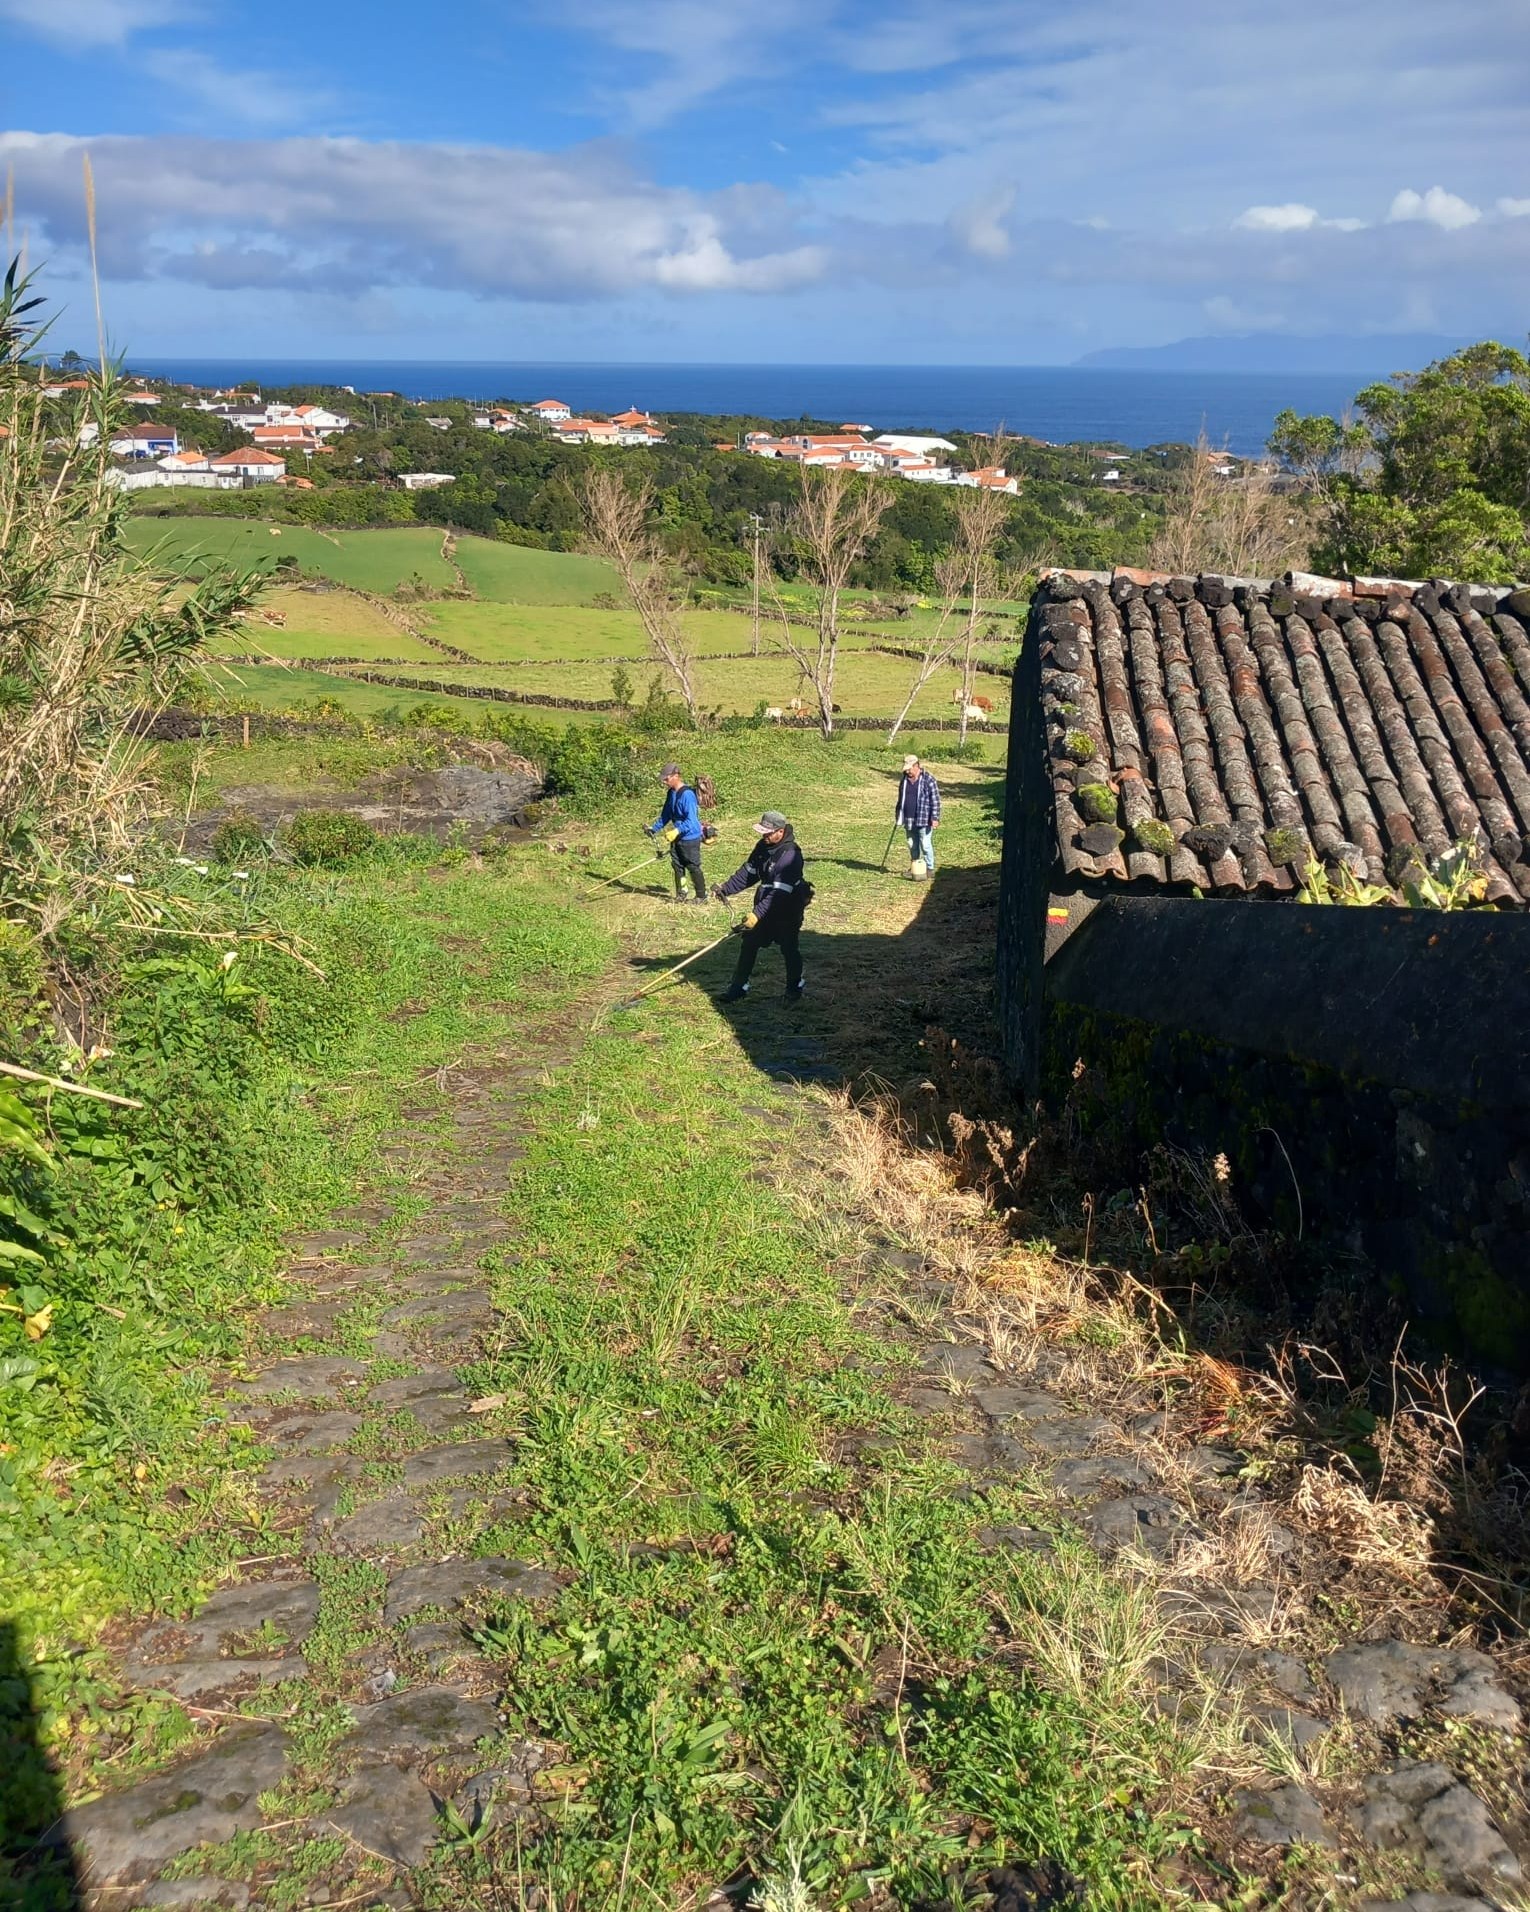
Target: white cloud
[982, 226]
[1288, 218]
[1436, 207]
[1514, 208]
[89, 23]
[254, 98]
[1292, 218]
[689, 49]
[350, 216]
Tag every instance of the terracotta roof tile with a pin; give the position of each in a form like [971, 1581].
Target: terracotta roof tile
[1370, 722]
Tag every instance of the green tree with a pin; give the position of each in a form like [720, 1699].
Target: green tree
[1432, 479]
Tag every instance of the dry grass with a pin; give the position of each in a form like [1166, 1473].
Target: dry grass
[87, 632]
[1389, 1536]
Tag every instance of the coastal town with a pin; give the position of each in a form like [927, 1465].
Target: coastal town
[157, 455]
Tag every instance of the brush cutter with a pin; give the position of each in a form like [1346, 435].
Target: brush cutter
[888, 851]
[654, 982]
[601, 881]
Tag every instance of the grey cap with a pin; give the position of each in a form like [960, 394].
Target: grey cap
[669, 770]
[771, 821]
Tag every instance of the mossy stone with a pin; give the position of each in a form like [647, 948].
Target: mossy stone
[1286, 845]
[1080, 746]
[1096, 802]
[1153, 836]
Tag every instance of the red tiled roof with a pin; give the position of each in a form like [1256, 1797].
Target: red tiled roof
[1372, 724]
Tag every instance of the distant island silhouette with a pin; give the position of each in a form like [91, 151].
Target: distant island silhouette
[1369, 357]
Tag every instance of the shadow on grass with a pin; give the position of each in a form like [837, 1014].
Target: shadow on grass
[31, 1796]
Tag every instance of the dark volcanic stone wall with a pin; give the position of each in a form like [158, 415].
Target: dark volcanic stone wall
[1364, 1071]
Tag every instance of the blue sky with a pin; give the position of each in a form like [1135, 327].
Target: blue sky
[942, 181]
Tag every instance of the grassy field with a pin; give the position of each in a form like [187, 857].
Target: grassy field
[514, 574]
[865, 685]
[335, 623]
[370, 560]
[287, 687]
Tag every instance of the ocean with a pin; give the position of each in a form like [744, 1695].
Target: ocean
[1063, 403]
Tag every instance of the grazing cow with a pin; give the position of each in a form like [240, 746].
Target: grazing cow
[774, 714]
[983, 703]
[975, 714]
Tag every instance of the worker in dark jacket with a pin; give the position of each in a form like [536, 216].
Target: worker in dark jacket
[782, 893]
[679, 823]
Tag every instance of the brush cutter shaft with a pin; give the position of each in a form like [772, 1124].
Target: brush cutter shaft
[888, 851]
[653, 858]
[654, 981]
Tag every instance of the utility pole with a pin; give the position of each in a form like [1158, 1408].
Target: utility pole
[757, 521]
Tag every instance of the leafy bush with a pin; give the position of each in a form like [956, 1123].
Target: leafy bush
[330, 838]
[239, 838]
[596, 761]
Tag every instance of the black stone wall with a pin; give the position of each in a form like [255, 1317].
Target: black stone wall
[1366, 1072]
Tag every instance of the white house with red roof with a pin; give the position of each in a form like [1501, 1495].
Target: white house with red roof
[253, 465]
[551, 411]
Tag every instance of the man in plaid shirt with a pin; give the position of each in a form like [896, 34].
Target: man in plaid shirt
[918, 810]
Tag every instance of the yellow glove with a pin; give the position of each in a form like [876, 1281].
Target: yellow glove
[671, 834]
[751, 921]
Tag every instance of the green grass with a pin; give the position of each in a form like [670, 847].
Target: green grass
[825, 1677]
[515, 574]
[866, 685]
[370, 560]
[280, 688]
[321, 624]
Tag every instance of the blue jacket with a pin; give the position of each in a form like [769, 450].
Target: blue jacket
[682, 810]
[918, 803]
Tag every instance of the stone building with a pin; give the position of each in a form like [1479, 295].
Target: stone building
[1182, 753]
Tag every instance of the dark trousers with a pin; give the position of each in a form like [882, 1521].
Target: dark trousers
[752, 942]
[683, 857]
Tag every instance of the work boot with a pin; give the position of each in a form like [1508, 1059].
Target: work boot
[735, 992]
[796, 991]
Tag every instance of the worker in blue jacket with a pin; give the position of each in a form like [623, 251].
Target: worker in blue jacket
[679, 823]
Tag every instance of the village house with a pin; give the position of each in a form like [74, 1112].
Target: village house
[318, 419]
[551, 411]
[1186, 755]
[288, 437]
[627, 428]
[141, 398]
[426, 480]
[145, 441]
[236, 470]
[899, 456]
[438, 423]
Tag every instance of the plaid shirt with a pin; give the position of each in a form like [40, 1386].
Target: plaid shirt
[918, 802]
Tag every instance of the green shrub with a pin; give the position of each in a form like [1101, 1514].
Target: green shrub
[1153, 836]
[329, 838]
[595, 761]
[239, 838]
[1096, 801]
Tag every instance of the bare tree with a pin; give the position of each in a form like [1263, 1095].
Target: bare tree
[980, 515]
[1240, 525]
[965, 570]
[833, 524]
[950, 575]
[616, 522]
